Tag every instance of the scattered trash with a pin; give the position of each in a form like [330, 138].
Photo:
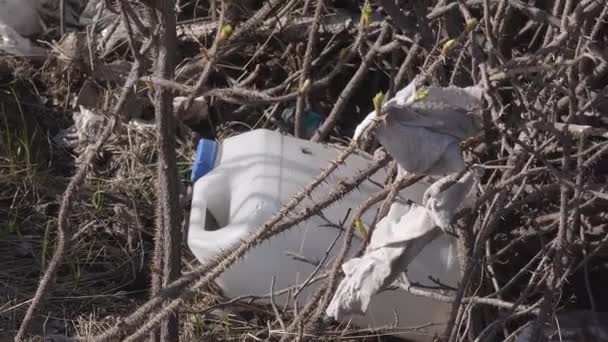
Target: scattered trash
[87, 127]
[96, 9]
[12, 43]
[88, 124]
[397, 240]
[422, 128]
[22, 16]
[422, 131]
[236, 189]
[571, 326]
[312, 120]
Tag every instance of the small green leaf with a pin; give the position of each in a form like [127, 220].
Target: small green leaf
[421, 94]
[366, 11]
[305, 86]
[226, 32]
[378, 100]
[449, 45]
[361, 227]
[470, 26]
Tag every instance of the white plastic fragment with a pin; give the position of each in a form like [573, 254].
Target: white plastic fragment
[88, 124]
[445, 196]
[398, 239]
[12, 43]
[365, 276]
[86, 129]
[95, 10]
[422, 129]
[21, 15]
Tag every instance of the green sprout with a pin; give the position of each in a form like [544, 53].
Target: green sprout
[305, 86]
[226, 32]
[449, 45]
[378, 100]
[366, 11]
[361, 227]
[471, 25]
[421, 94]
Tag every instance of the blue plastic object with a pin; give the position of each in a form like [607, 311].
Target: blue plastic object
[206, 151]
[312, 120]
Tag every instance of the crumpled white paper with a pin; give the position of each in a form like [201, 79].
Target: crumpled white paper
[399, 237]
[422, 132]
[422, 129]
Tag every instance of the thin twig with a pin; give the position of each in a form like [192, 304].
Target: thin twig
[305, 75]
[274, 305]
[347, 92]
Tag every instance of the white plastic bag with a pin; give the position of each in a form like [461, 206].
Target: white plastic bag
[12, 43]
[22, 16]
[422, 129]
[399, 237]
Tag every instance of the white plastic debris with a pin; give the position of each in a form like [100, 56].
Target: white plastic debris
[95, 10]
[21, 15]
[399, 237]
[242, 181]
[12, 43]
[422, 129]
[20, 19]
[88, 124]
[86, 129]
[446, 195]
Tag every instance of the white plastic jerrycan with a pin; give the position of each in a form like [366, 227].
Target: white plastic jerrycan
[240, 183]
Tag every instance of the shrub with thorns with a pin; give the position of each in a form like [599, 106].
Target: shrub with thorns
[533, 245]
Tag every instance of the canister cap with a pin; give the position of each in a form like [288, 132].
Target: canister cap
[204, 160]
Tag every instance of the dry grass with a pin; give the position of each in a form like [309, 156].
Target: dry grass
[542, 196]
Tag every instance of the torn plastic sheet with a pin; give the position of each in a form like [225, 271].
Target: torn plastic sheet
[87, 127]
[422, 128]
[398, 239]
[22, 16]
[11, 42]
[88, 124]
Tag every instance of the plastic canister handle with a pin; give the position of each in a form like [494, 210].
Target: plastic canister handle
[206, 152]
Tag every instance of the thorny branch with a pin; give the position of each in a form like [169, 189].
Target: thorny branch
[543, 72]
[305, 75]
[168, 235]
